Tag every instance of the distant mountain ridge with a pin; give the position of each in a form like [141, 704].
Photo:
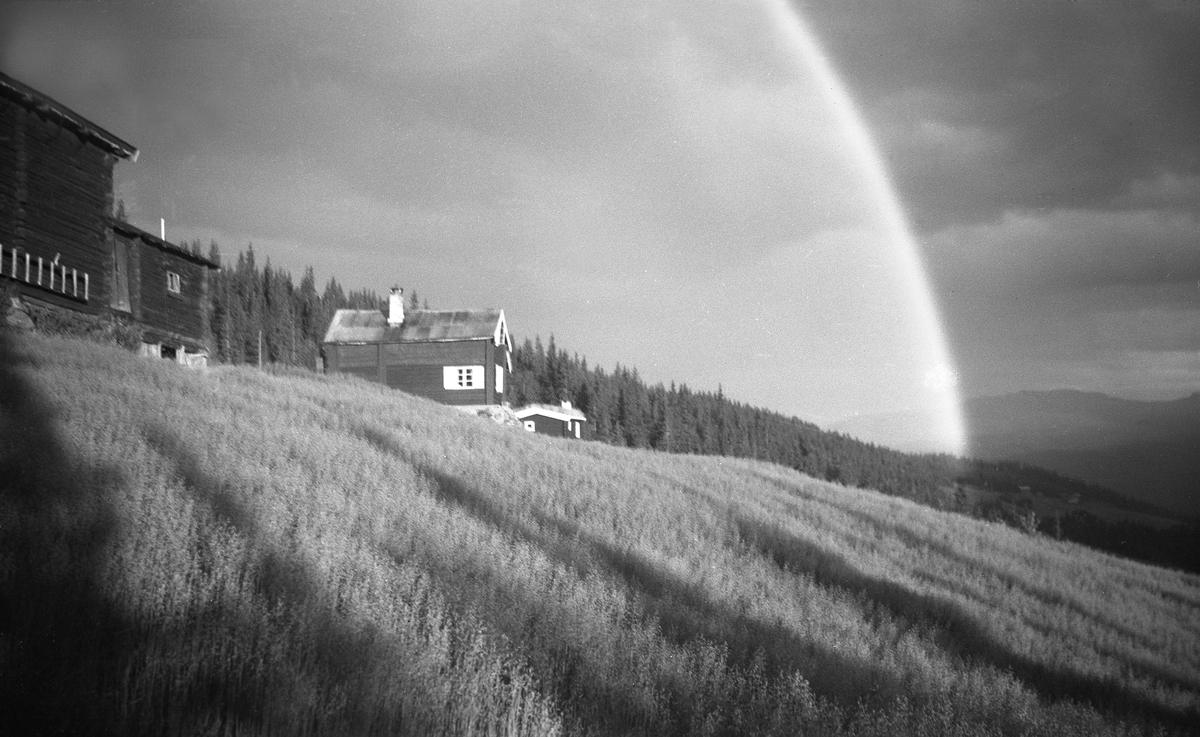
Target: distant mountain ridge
[1148, 450]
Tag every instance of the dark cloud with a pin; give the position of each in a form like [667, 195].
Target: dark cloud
[1029, 254]
[1049, 155]
[1048, 300]
[985, 107]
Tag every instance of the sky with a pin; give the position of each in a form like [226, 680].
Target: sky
[830, 208]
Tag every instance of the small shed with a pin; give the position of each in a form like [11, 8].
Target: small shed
[562, 421]
[456, 357]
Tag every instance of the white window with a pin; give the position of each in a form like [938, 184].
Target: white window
[173, 282]
[462, 377]
[530, 425]
[499, 379]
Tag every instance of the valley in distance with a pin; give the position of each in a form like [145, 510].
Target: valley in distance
[1147, 451]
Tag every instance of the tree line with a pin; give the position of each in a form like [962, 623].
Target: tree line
[259, 315]
[622, 409]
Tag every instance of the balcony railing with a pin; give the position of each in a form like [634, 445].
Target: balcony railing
[19, 264]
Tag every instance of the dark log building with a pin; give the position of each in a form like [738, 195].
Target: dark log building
[60, 246]
[165, 289]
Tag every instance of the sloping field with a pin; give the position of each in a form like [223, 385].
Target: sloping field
[236, 552]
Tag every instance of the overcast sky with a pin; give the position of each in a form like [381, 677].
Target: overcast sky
[692, 188]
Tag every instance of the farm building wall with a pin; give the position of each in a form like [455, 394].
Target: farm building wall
[544, 425]
[10, 188]
[167, 313]
[172, 309]
[55, 198]
[417, 368]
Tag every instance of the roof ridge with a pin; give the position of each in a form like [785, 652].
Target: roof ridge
[34, 99]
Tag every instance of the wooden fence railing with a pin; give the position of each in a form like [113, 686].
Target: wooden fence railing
[19, 264]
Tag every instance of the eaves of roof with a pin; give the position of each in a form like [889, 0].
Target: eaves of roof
[557, 413]
[42, 104]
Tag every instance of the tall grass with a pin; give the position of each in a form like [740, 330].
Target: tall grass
[238, 552]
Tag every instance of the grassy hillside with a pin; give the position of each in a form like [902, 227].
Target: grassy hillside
[623, 410]
[235, 552]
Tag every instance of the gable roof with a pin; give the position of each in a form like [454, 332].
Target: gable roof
[553, 411]
[31, 99]
[419, 326]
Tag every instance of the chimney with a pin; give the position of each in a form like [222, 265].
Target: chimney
[396, 307]
[566, 404]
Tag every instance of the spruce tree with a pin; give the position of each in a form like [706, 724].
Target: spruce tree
[218, 294]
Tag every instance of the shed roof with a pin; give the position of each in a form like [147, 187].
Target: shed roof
[31, 99]
[419, 326]
[553, 411]
[136, 232]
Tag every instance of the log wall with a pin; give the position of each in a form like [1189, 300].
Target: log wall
[185, 313]
[55, 199]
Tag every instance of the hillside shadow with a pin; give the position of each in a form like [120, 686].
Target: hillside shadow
[334, 658]
[962, 632]
[58, 632]
[617, 713]
[71, 655]
[683, 612]
[280, 580]
[1045, 596]
[76, 661]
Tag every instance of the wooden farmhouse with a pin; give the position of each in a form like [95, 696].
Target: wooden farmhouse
[457, 357]
[562, 421]
[60, 247]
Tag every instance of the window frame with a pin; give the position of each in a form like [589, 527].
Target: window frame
[174, 283]
[462, 378]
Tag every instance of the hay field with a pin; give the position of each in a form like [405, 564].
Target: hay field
[242, 552]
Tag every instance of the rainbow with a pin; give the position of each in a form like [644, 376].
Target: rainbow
[941, 390]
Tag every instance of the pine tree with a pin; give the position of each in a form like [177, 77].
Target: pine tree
[553, 389]
[279, 335]
[312, 325]
[218, 292]
[249, 292]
